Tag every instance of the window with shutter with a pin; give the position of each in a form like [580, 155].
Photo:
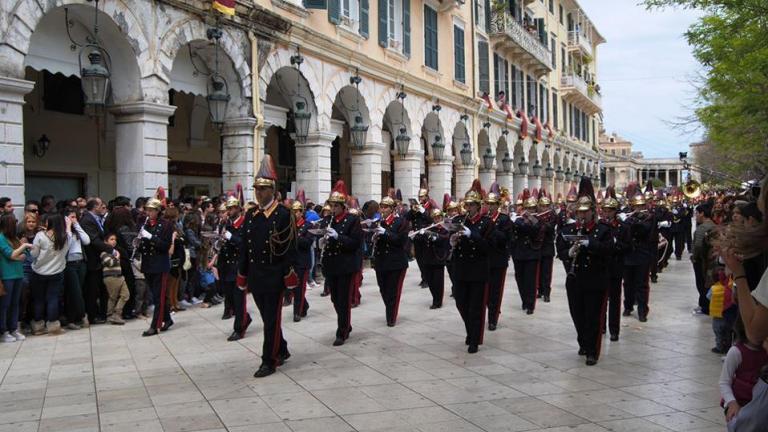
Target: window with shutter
[334, 11]
[383, 7]
[430, 38]
[506, 80]
[363, 17]
[315, 4]
[483, 72]
[513, 95]
[406, 6]
[458, 54]
[487, 16]
[496, 75]
[555, 120]
[554, 52]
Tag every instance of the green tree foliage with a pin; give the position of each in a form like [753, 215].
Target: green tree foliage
[731, 42]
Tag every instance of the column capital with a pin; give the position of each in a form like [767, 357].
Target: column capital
[321, 136]
[411, 156]
[444, 162]
[487, 171]
[142, 111]
[14, 89]
[370, 147]
[237, 126]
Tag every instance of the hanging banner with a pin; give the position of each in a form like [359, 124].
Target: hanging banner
[227, 7]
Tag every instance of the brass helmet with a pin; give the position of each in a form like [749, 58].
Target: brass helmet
[544, 198]
[387, 201]
[436, 212]
[584, 203]
[474, 194]
[153, 203]
[222, 207]
[494, 196]
[232, 202]
[297, 205]
[610, 203]
[638, 199]
[530, 200]
[339, 193]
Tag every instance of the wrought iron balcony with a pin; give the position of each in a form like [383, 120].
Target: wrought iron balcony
[518, 43]
[579, 42]
[575, 90]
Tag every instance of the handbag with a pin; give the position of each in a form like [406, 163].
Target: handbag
[291, 280]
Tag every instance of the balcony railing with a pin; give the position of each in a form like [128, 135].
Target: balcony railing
[504, 23]
[576, 40]
[572, 82]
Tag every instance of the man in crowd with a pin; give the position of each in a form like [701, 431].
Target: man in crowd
[700, 255]
[95, 293]
[6, 206]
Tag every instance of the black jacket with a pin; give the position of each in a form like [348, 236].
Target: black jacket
[389, 252]
[228, 260]
[621, 245]
[154, 251]
[304, 240]
[643, 239]
[499, 240]
[93, 251]
[592, 262]
[434, 245]
[268, 249]
[527, 244]
[342, 255]
[470, 254]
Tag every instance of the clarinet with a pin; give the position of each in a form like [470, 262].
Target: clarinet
[137, 241]
[572, 271]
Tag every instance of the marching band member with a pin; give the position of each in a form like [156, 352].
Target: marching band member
[304, 242]
[526, 252]
[227, 264]
[621, 244]
[653, 241]
[419, 217]
[156, 238]
[664, 225]
[547, 223]
[353, 207]
[340, 259]
[390, 259]
[470, 266]
[642, 253]
[266, 267]
[498, 254]
[680, 212]
[436, 252]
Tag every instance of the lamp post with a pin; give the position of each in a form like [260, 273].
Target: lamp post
[438, 148]
[359, 130]
[488, 158]
[40, 147]
[506, 163]
[94, 77]
[536, 169]
[218, 89]
[549, 171]
[301, 114]
[402, 140]
[559, 174]
[466, 155]
[522, 166]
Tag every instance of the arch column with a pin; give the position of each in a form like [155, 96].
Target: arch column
[487, 177]
[12, 93]
[237, 154]
[534, 182]
[464, 178]
[440, 178]
[141, 147]
[366, 171]
[504, 179]
[407, 169]
[313, 165]
[520, 182]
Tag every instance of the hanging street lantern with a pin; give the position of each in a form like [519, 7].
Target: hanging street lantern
[402, 141]
[438, 148]
[301, 118]
[568, 175]
[522, 166]
[506, 163]
[536, 169]
[559, 173]
[466, 155]
[488, 158]
[218, 99]
[94, 78]
[358, 132]
[549, 171]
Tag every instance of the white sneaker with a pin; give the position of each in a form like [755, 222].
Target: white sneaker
[18, 335]
[196, 301]
[185, 304]
[7, 338]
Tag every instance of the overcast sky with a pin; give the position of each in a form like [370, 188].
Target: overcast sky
[644, 71]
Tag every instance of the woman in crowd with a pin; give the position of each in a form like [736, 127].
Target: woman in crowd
[191, 294]
[12, 254]
[176, 252]
[74, 274]
[50, 251]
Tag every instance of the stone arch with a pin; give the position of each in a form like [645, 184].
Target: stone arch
[459, 137]
[281, 58]
[340, 82]
[503, 150]
[49, 48]
[193, 29]
[280, 93]
[483, 144]
[432, 127]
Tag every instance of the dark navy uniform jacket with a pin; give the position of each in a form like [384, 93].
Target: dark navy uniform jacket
[621, 245]
[593, 261]
[341, 254]
[469, 259]
[548, 235]
[268, 251]
[500, 240]
[641, 230]
[304, 241]
[389, 253]
[436, 246]
[229, 255]
[527, 245]
[154, 251]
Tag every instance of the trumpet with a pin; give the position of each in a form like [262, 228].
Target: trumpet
[370, 224]
[414, 233]
[137, 240]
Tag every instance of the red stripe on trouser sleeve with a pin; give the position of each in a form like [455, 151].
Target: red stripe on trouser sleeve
[302, 292]
[245, 312]
[536, 284]
[484, 306]
[278, 336]
[602, 325]
[398, 292]
[163, 288]
[350, 299]
[497, 312]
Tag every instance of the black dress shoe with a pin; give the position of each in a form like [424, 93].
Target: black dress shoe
[472, 349]
[546, 299]
[538, 296]
[166, 325]
[491, 326]
[296, 317]
[150, 332]
[627, 312]
[304, 314]
[529, 311]
[235, 336]
[582, 351]
[654, 279]
[614, 338]
[390, 323]
[466, 340]
[226, 316]
[283, 358]
[324, 294]
[263, 371]
[591, 360]
[643, 318]
[339, 341]
[435, 306]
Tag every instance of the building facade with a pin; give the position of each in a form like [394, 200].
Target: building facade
[383, 93]
[621, 166]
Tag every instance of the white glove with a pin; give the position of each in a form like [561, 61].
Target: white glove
[623, 217]
[241, 288]
[422, 209]
[675, 212]
[665, 224]
[422, 231]
[584, 243]
[513, 216]
[573, 251]
[466, 232]
[227, 235]
[333, 234]
[145, 234]
[380, 230]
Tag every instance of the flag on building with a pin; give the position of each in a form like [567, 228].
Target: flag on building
[227, 7]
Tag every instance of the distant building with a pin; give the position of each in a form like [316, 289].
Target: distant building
[621, 165]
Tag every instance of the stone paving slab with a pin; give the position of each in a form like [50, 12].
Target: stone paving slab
[416, 376]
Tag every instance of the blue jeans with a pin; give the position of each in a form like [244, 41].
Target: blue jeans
[9, 305]
[45, 296]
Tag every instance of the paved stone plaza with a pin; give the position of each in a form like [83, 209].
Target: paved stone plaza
[417, 376]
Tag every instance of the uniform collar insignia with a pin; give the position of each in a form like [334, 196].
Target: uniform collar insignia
[390, 218]
[237, 223]
[340, 217]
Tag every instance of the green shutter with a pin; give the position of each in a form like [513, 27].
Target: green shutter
[364, 18]
[542, 28]
[482, 56]
[458, 54]
[496, 75]
[334, 11]
[487, 16]
[383, 36]
[407, 27]
[315, 4]
[430, 37]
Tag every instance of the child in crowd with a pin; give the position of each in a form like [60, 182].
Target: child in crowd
[723, 311]
[117, 289]
[740, 373]
[140, 308]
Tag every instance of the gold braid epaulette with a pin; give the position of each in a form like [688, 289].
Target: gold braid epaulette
[276, 241]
